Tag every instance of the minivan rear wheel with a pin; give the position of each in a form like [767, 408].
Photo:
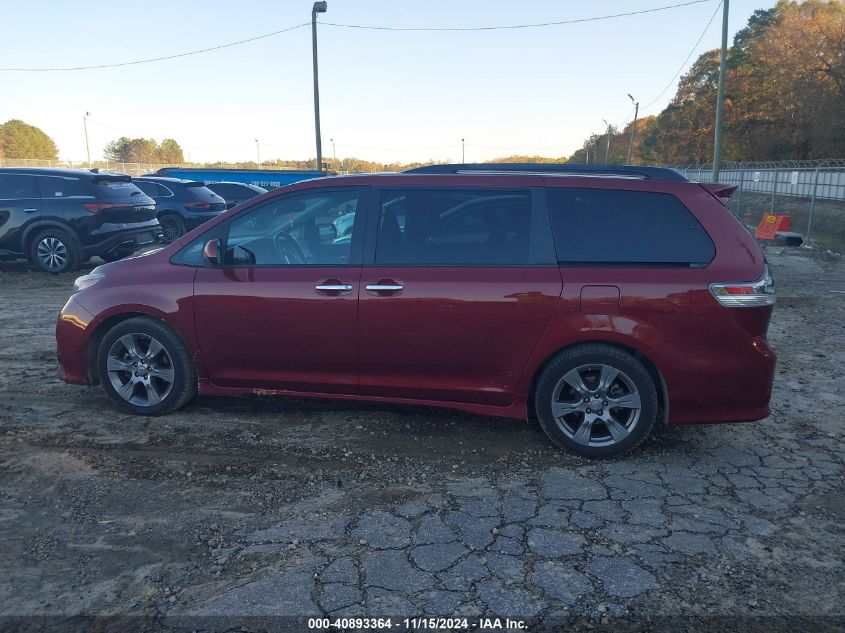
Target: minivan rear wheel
[145, 368]
[596, 400]
[54, 251]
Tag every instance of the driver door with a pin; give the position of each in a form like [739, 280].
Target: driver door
[281, 311]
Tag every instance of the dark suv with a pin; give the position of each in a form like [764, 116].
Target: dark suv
[181, 205]
[59, 218]
[601, 299]
[235, 192]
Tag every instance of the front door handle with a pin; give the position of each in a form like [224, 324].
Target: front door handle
[385, 287]
[30, 210]
[333, 287]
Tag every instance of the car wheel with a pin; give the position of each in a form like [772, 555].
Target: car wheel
[54, 251]
[145, 368]
[596, 400]
[172, 228]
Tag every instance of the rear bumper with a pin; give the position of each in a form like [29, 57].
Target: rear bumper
[721, 381]
[128, 240]
[193, 220]
[72, 334]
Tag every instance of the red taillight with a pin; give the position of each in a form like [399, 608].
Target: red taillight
[96, 207]
[198, 205]
[746, 295]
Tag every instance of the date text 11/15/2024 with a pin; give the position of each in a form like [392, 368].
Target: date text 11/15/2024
[449, 624]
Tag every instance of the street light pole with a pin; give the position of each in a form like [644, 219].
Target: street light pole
[319, 7]
[720, 94]
[607, 136]
[87, 149]
[463, 152]
[258, 153]
[633, 129]
[334, 155]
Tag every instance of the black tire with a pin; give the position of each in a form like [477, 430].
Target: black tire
[54, 251]
[604, 437]
[183, 386]
[172, 227]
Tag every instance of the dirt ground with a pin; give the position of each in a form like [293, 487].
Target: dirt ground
[254, 514]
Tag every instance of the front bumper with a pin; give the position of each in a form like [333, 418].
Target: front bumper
[72, 335]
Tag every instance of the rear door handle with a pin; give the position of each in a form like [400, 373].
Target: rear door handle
[333, 287]
[30, 210]
[382, 287]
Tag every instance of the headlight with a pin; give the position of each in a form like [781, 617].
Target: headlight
[86, 281]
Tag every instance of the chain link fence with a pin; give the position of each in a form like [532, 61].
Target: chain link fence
[131, 169]
[811, 192]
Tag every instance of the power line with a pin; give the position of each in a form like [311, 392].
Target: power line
[357, 26]
[513, 26]
[159, 59]
[683, 65]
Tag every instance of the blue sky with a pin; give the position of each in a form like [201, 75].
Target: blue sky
[384, 95]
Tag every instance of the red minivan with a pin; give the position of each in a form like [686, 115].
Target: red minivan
[601, 299]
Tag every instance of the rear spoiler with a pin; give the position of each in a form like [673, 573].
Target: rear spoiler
[721, 192]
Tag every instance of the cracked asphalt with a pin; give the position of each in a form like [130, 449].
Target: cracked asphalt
[252, 513]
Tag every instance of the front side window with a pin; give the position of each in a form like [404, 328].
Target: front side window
[14, 187]
[455, 227]
[296, 229]
[614, 227]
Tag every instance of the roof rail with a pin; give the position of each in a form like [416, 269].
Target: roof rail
[623, 171]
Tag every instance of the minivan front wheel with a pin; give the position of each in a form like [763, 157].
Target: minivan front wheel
[54, 251]
[145, 368]
[596, 400]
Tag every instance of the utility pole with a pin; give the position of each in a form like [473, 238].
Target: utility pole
[463, 152]
[720, 94]
[258, 153]
[607, 136]
[334, 155]
[87, 149]
[319, 7]
[633, 129]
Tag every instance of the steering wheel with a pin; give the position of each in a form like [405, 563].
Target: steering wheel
[288, 248]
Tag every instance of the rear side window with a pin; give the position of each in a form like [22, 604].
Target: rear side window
[151, 189]
[604, 226]
[14, 186]
[419, 227]
[53, 187]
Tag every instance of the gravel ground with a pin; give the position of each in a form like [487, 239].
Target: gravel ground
[258, 513]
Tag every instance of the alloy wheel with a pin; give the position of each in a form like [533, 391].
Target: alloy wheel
[170, 230]
[140, 369]
[596, 405]
[52, 253]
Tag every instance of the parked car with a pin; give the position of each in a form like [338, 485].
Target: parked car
[235, 192]
[59, 218]
[181, 205]
[601, 299]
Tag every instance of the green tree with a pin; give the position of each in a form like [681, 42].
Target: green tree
[170, 152]
[20, 140]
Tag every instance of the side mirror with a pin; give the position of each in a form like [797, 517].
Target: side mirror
[211, 252]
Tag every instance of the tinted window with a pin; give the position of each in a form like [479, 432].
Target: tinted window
[149, 188]
[292, 230]
[226, 190]
[453, 227]
[198, 191]
[603, 226]
[52, 187]
[13, 186]
[115, 188]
